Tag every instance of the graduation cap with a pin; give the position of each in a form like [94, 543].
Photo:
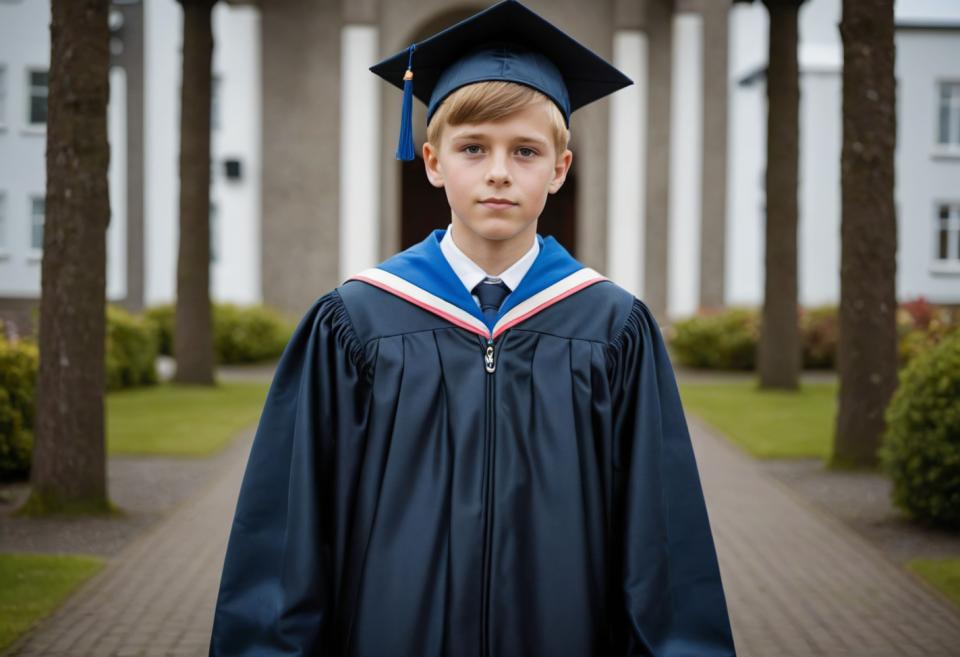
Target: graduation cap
[506, 42]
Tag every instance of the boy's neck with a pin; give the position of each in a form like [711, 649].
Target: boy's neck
[493, 256]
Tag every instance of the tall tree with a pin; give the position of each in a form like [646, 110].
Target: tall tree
[69, 463]
[867, 352]
[779, 349]
[193, 334]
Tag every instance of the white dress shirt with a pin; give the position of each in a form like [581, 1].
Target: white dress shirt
[470, 273]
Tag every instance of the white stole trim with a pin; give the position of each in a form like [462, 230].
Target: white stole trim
[455, 315]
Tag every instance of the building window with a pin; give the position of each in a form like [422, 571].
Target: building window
[3, 95]
[37, 112]
[947, 243]
[3, 222]
[214, 227]
[36, 222]
[948, 133]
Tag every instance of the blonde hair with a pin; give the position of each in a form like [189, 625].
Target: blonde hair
[490, 101]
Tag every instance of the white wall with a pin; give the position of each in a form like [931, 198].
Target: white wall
[235, 276]
[922, 57]
[924, 177]
[25, 45]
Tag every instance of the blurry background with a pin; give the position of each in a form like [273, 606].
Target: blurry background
[666, 195]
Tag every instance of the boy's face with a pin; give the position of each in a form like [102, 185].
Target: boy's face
[513, 160]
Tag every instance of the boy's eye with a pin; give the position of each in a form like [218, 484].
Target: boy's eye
[469, 146]
[527, 152]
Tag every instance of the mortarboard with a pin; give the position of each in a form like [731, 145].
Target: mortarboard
[506, 42]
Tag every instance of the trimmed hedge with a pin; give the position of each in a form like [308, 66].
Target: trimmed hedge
[819, 333]
[921, 446]
[727, 339]
[19, 363]
[131, 350]
[723, 340]
[130, 354]
[241, 334]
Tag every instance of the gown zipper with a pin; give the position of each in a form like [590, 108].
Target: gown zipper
[490, 365]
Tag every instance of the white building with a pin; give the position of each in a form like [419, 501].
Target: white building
[927, 160]
[143, 130]
[307, 134]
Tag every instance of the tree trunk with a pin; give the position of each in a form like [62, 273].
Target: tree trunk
[867, 351]
[68, 472]
[779, 349]
[193, 333]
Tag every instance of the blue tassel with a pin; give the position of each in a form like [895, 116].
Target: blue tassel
[405, 146]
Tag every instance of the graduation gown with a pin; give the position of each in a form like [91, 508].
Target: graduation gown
[423, 484]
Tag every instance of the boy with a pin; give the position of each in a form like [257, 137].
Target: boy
[477, 448]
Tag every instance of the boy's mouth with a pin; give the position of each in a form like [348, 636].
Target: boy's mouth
[497, 203]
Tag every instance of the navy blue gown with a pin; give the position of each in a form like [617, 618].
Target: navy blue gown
[423, 484]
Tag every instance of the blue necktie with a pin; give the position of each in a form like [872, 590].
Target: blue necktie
[491, 293]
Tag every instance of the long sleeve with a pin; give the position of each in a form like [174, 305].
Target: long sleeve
[673, 604]
[277, 587]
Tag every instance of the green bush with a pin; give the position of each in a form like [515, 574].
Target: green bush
[19, 362]
[160, 318]
[248, 334]
[723, 340]
[819, 329]
[131, 350]
[241, 334]
[921, 445]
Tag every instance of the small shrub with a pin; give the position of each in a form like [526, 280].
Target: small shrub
[241, 334]
[248, 334]
[160, 318]
[725, 339]
[131, 350]
[19, 362]
[819, 333]
[921, 445]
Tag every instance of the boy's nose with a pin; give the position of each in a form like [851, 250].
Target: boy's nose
[499, 172]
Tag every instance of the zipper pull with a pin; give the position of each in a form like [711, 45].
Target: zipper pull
[488, 357]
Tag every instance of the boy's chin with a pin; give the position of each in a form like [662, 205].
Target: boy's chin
[497, 228]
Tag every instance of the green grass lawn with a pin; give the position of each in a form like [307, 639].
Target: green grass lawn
[33, 585]
[767, 424]
[944, 574]
[176, 420]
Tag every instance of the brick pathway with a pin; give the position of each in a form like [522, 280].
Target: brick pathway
[798, 582]
[157, 597]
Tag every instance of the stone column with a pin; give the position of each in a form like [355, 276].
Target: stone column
[301, 140]
[713, 243]
[659, 26]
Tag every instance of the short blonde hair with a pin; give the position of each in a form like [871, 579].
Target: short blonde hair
[490, 101]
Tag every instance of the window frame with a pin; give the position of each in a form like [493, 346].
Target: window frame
[4, 95]
[951, 263]
[33, 251]
[4, 226]
[950, 148]
[30, 124]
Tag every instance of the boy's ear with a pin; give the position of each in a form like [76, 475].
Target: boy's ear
[560, 171]
[431, 163]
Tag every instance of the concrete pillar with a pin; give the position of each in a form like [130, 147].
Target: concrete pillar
[625, 223]
[713, 242]
[686, 165]
[359, 151]
[301, 138]
[659, 26]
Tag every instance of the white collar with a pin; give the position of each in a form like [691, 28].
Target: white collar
[470, 273]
